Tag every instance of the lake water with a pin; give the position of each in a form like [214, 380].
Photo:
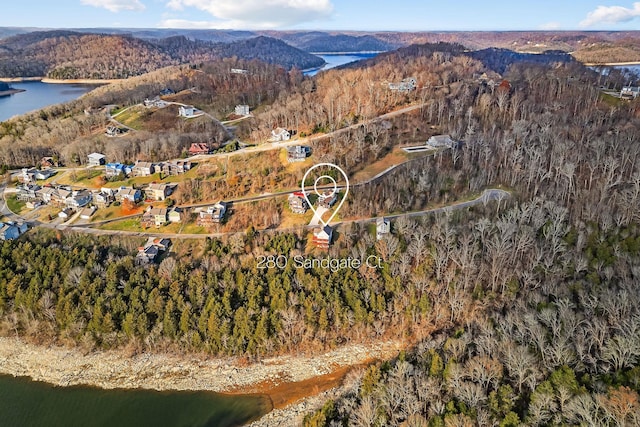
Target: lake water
[38, 95]
[26, 403]
[337, 60]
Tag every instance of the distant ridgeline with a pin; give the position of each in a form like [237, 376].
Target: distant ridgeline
[72, 55]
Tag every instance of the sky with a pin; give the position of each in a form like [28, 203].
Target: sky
[365, 15]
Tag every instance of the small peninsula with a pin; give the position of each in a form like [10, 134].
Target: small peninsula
[6, 90]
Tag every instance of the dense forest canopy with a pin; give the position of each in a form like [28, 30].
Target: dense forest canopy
[523, 311]
[73, 55]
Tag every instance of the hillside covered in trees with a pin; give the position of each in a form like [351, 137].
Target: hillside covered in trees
[524, 311]
[66, 132]
[72, 55]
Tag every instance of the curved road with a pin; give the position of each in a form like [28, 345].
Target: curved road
[492, 194]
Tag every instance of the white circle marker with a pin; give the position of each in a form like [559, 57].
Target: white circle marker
[335, 186]
[333, 192]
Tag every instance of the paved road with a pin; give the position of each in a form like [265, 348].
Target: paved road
[269, 146]
[487, 196]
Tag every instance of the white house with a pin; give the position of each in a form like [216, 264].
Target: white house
[96, 159]
[405, 85]
[280, 134]
[383, 227]
[242, 110]
[86, 213]
[630, 92]
[437, 141]
[187, 111]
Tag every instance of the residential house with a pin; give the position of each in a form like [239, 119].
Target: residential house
[242, 110]
[322, 237]
[86, 213]
[148, 253]
[127, 193]
[79, 199]
[28, 192]
[213, 214]
[198, 148]
[297, 153]
[328, 198]
[405, 85]
[115, 169]
[158, 191]
[48, 162]
[66, 213]
[438, 141]
[167, 91]
[383, 227]
[175, 168]
[60, 195]
[155, 102]
[154, 216]
[175, 214]
[298, 203]
[630, 92]
[104, 198]
[30, 175]
[143, 169]
[44, 174]
[280, 134]
[10, 230]
[239, 71]
[27, 175]
[113, 131]
[96, 159]
[186, 111]
[46, 194]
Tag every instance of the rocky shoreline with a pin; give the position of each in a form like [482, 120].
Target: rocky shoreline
[63, 366]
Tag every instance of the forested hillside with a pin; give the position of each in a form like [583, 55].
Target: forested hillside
[318, 41]
[72, 55]
[542, 297]
[66, 132]
[519, 311]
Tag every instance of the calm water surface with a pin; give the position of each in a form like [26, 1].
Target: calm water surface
[337, 60]
[37, 96]
[26, 403]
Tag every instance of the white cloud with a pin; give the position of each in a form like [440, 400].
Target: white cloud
[115, 5]
[550, 26]
[249, 14]
[611, 15]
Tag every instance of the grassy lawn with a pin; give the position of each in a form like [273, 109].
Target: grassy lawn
[107, 213]
[14, 204]
[133, 117]
[610, 99]
[84, 177]
[45, 211]
[130, 224]
[133, 224]
[192, 228]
